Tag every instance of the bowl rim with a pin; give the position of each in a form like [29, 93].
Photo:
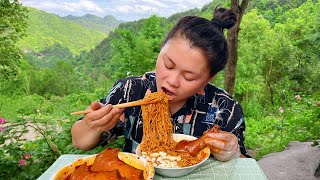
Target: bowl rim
[67, 169]
[206, 150]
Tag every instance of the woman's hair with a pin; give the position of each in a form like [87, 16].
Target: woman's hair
[207, 35]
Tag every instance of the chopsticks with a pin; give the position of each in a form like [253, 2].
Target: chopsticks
[123, 105]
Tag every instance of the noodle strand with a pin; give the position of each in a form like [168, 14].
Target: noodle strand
[158, 129]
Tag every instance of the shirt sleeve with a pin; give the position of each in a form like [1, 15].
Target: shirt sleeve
[238, 128]
[230, 118]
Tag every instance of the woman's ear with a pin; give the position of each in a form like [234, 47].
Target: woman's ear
[211, 77]
[201, 91]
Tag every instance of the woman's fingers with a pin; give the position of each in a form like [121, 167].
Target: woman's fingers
[103, 118]
[103, 111]
[99, 114]
[226, 142]
[110, 120]
[215, 143]
[96, 105]
[222, 136]
[228, 155]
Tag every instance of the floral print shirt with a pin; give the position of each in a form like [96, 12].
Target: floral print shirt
[199, 113]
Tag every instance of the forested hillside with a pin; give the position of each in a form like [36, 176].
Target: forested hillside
[277, 79]
[106, 24]
[45, 29]
[134, 45]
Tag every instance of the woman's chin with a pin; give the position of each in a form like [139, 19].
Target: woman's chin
[172, 98]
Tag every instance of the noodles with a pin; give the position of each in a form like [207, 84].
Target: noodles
[157, 127]
[157, 130]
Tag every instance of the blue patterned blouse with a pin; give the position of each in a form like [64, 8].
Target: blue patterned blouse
[199, 113]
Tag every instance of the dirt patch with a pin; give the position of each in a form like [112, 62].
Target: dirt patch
[31, 133]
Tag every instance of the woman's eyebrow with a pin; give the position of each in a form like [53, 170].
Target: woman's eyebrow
[191, 72]
[168, 57]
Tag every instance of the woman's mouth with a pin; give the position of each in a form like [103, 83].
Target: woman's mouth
[169, 93]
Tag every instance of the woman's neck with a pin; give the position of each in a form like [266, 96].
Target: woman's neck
[174, 107]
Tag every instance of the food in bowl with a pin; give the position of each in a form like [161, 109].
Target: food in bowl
[109, 164]
[158, 130]
[158, 144]
[168, 165]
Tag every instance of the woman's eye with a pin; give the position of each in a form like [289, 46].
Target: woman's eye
[168, 66]
[188, 78]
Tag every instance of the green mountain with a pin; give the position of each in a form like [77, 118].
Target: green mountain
[106, 24]
[46, 29]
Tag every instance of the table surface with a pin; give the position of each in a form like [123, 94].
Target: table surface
[236, 169]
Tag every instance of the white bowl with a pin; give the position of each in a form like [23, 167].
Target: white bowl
[181, 171]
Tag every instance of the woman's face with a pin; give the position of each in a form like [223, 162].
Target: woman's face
[181, 70]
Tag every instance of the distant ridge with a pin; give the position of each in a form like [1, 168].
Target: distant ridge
[46, 29]
[106, 24]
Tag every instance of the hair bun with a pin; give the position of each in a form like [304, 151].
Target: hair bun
[224, 18]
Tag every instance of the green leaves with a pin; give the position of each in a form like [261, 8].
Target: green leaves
[12, 29]
[134, 51]
[12, 20]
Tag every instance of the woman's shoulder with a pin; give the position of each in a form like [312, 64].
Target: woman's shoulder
[134, 80]
[148, 76]
[214, 89]
[222, 99]
[137, 83]
[214, 92]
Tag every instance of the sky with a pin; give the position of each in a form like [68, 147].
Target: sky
[126, 10]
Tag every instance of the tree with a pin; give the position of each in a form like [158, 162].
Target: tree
[12, 28]
[230, 70]
[135, 51]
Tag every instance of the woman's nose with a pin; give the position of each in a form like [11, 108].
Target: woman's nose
[173, 80]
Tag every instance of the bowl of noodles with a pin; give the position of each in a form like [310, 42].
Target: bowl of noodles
[159, 142]
[171, 164]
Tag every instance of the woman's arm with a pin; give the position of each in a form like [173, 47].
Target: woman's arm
[83, 137]
[86, 132]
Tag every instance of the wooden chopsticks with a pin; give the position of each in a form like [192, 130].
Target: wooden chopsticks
[123, 105]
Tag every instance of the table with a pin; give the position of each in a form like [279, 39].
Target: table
[236, 169]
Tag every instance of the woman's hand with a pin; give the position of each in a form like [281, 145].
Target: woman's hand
[102, 118]
[86, 132]
[224, 145]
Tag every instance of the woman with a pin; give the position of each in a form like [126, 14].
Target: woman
[193, 52]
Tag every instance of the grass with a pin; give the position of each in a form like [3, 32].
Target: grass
[300, 121]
